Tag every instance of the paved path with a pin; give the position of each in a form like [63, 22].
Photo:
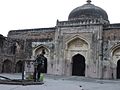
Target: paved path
[65, 83]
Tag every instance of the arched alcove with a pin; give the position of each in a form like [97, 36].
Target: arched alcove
[76, 48]
[77, 44]
[115, 59]
[38, 51]
[18, 67]
[7, 66]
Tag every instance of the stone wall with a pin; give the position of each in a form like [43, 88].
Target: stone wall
[89, 34]
[111, 40]
[18, 45]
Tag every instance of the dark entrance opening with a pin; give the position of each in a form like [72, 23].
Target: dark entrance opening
[18, 68]
[7, 66]
[78, 67]
[118, 69]
[45, 65]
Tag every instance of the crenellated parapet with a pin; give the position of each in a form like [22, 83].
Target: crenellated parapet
[80, 22]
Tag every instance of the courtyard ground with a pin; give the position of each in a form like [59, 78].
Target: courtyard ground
[52, 82]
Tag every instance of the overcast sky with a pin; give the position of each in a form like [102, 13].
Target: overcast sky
[25, 14]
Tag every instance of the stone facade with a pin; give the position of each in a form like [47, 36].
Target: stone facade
[84, 46]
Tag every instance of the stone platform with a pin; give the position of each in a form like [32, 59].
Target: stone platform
[6, 80]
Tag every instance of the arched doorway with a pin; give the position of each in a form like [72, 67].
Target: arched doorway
[46, 55]
[78, 67]
[7, 66]
[115, 53]
[18, 68]
[118, 69]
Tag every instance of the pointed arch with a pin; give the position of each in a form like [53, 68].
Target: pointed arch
[73, 46]
[7, 66]
[18, 67]
[75, 38]
[115, 60]
[115, 54]
[114, 48]
[78, 65]
[38, 50]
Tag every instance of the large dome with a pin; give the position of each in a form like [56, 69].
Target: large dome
[88, 11]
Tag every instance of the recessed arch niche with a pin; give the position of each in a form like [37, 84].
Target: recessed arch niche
[38, 51]
[116, 62]
[7, 66]
[18, 67]
[75, 46]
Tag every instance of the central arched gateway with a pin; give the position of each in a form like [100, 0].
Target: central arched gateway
[118, 69]
[78, 66]
[76, 56]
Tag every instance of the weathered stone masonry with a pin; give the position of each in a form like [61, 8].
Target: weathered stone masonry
[84, 45]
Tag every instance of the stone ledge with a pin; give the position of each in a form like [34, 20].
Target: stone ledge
[20, 82]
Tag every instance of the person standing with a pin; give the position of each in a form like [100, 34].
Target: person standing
[40, 65]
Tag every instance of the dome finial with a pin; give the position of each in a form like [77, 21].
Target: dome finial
[88, 1]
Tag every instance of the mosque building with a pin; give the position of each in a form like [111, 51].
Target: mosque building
[87, 44]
